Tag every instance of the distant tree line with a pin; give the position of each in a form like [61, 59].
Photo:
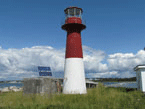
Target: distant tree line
[115, 79]
[10, 81]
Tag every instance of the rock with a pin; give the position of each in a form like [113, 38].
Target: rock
[16, 90]
[21, 89]
[12, 87]
[6, 89]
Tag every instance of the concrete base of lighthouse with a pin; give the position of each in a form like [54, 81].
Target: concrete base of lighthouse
[74, 76]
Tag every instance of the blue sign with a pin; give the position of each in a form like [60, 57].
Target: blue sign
[44, 71]
[45, 74]
[44, 68]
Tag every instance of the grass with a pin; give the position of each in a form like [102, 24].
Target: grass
[97, 98]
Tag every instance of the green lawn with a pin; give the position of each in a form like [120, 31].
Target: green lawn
[97, 98]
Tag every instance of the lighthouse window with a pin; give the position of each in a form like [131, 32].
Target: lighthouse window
[71, 12]
[66, 12]
[77, 11]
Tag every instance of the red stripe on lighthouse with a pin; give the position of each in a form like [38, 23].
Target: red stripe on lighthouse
[74, 45]
[73, 20]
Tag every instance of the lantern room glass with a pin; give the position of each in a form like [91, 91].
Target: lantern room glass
[73, 12]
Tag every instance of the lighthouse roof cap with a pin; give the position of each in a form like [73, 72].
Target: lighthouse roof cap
[73, 7]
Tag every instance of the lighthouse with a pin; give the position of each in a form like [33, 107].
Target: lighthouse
[74, 74]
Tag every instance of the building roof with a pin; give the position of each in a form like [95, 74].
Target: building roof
[139, 67]
[91, 82]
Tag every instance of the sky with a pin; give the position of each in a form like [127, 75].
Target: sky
[31, 35]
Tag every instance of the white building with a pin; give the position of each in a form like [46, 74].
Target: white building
[140, 77]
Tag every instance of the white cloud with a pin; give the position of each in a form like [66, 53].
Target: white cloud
[25, 61]
[18, 63]
[126, 61]
[103, 74]
[93, 59]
